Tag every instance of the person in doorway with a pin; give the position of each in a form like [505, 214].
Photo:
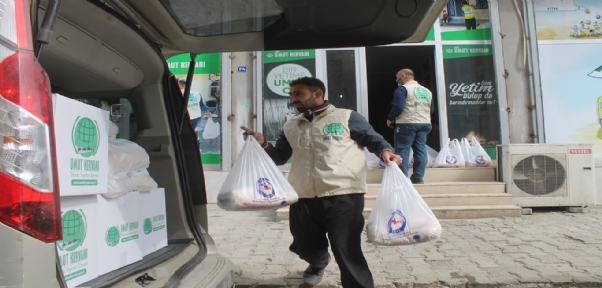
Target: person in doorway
[410, 117]
[196, 105]
[469, 15]
[328, 171]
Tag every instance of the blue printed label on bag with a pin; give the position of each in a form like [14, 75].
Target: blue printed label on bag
[397, 223]
[451, 160]
[480, 160]
[265, 188]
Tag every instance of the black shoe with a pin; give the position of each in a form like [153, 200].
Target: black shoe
[417, 181]
[312, 275]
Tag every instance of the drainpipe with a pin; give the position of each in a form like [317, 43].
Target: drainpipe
[527, 56]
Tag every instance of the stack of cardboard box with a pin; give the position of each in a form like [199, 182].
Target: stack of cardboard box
[100, 234]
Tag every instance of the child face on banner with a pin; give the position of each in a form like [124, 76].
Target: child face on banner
[303, 98]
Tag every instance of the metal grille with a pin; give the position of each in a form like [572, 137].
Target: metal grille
[539, 175]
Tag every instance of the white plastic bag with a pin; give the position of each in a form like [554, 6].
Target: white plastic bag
[431, 154]
[372, 161]
[474, 154]
[126, 157]
[143, 180]
[255, 182]
[211, 129]
[400, 216]
[450, 155]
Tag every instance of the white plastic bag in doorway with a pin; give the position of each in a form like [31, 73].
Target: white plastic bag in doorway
[255, 182]
[450, 156]
[400, 216]
[474, 154]
[211, 129]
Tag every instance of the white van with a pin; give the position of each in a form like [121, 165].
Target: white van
[117, 49]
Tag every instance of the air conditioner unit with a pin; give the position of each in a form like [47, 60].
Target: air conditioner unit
[546, 175]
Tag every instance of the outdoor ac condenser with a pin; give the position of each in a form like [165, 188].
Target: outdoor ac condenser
[545, 175]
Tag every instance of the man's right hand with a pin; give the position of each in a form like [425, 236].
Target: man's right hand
[258, 136]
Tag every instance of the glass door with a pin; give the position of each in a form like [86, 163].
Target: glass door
[340, 69]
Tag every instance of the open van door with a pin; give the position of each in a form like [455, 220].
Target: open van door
[241, 25]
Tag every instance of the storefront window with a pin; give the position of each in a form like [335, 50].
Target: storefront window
[204, 101]
[280, 68]
[472, 98]
[569, 38]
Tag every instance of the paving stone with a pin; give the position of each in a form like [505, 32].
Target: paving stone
[539, 250]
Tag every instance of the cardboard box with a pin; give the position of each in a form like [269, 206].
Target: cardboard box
[82, 141]
[153, 220]
[118, 232]
[77, 251]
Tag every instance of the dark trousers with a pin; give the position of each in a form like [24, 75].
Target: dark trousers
[311, 219]
[471, 24]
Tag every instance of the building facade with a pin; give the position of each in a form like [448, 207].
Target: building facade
[528, 73]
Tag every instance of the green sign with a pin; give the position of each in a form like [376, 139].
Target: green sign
[467, 35]
[462, 51]
[287, 55]
[210, 63]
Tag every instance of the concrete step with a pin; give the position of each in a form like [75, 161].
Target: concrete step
[457, 199]
[451, 188]
[468, 174]
[449, 212]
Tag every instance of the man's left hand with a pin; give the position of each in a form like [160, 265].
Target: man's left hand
[208, 114]
[390, 123]
[389, 157]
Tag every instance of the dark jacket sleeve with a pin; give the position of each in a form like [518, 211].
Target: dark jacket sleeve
[399, 102]
[281, 152]
[363, 133]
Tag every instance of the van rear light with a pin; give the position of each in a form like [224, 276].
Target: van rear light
[29, 195]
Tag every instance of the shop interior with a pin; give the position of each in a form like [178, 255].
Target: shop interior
[382, 64]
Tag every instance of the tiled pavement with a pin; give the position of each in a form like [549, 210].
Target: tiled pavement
[550, 248]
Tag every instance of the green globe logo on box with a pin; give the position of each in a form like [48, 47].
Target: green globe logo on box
[74, 230]
[333, 129]
[148, 226]
[112, 236]
[86, 136]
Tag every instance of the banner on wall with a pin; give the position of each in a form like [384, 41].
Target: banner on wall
[205, 96]
[572, 101]
[280, 68]
[472, 100]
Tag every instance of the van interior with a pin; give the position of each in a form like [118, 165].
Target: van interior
[92, 60]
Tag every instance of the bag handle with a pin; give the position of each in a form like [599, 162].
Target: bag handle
[455, 143]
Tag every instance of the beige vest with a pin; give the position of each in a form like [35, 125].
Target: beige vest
[325, 161]
[417, 108]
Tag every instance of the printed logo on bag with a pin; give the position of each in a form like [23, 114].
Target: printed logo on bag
[480, 160]
[74, 230]
[397, 223]
[381, 163]
[85, 136]
[451, 160]
[112, 236]
[147, 227]
[333, 131]
[265, 188]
